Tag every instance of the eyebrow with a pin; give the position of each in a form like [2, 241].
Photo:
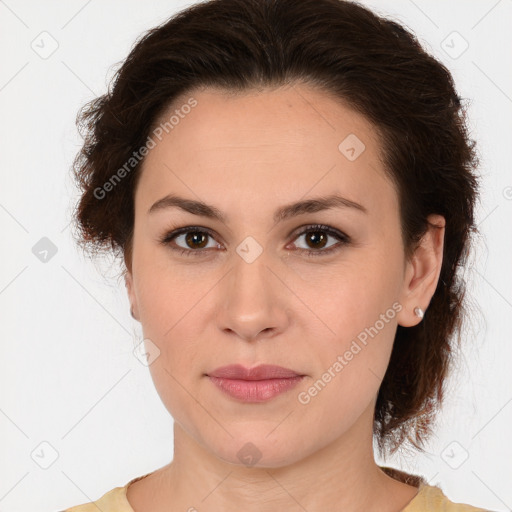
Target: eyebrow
[288, 211]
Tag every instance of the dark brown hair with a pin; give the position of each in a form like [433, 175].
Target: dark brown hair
[373, 64]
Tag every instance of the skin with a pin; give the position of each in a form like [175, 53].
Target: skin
[249, 155]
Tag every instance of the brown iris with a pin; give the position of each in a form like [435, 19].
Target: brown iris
[317, 237]
[196, 236]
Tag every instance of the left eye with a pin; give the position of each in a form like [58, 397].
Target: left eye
[196, 239]
[316, 237]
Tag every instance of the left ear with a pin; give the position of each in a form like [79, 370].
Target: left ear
[422, 272]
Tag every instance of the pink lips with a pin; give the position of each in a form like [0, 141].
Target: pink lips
[256, 384]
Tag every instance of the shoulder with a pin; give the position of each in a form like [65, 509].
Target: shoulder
[431, 498]
[112, 501]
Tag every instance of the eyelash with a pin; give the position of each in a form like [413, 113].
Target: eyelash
[344, 239]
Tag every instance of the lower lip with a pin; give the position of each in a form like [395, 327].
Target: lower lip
[255, 390]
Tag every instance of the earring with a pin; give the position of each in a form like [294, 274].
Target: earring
[419, 312]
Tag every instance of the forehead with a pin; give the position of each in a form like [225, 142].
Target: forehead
[283, 142]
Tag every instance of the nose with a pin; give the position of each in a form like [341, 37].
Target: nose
[253, 300]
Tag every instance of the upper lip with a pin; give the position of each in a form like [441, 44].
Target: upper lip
[260, 372]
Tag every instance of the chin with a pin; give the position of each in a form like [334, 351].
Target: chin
[259, 451]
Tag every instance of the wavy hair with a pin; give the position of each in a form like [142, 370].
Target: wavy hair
[371, 63]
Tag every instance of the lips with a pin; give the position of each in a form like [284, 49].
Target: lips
[258, 384]
[261, 372]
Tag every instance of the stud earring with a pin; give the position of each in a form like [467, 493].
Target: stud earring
[419, 312]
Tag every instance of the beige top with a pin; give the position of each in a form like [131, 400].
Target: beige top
[429, 498]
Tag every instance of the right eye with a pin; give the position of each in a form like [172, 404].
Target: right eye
[194, 239]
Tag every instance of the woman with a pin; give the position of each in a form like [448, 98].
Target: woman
[291, 188]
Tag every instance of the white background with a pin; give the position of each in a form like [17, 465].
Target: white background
[67, 373]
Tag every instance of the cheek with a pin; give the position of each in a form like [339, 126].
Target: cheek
[357, 332]
[170, 324]
[352, 320]
[168, 303]
[350, 364]
[164, 294]
[341, 300]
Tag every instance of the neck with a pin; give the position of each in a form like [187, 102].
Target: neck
[342, 475]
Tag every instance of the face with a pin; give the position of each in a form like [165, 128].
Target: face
[318, 290]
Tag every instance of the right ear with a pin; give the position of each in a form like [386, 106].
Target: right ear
[128, 280]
